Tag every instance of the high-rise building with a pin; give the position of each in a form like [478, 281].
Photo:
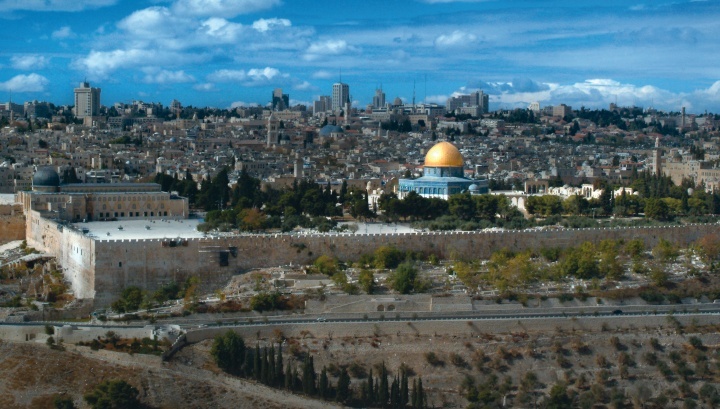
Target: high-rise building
[561, 110]
[476, 99]
[379, 99]
[280, 101]
[323, 104]
[87, 101]
[340, 95]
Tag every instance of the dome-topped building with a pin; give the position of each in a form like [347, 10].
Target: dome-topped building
[443, 175]
[444, 154]
[46, 180]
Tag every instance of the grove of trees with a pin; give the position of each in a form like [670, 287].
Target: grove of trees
[297, 373]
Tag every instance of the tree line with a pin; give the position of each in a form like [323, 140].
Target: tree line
[268, 366]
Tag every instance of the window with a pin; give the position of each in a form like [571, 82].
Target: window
[120, 264]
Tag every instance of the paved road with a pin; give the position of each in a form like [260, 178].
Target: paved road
[605, 312]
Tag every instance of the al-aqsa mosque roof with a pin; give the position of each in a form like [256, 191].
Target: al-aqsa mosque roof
[444, 154]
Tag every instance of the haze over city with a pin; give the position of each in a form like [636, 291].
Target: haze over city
[229, 53]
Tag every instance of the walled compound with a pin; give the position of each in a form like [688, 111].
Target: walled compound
[108, 237]
[101, 266]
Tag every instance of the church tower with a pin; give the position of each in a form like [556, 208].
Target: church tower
[273, 131]
[657, 158]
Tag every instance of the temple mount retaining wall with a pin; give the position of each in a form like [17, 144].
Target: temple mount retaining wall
[101, 268]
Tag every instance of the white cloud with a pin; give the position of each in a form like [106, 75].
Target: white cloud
[54, 5]
[152, 23]
[264, 74]
[100, 64]
[303, 86]
[222, 8]
[251, 77]
[155, 76]
[25, 83]
[227, 76]
[294, 102]
[62, 33]
[436, 99]
[29, 62]
[597, 93]
[328, 47]
[238, 104]
[457, 38]
[264, 25]
[204, 87]
[221, 29]
[323, 75]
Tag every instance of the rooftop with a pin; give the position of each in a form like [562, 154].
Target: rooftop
[142, 229]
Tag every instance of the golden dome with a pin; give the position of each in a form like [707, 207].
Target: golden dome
[444, 154]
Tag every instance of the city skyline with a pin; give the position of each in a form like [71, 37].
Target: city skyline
[226, 53]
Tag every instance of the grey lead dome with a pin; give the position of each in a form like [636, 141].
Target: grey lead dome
[46, 177]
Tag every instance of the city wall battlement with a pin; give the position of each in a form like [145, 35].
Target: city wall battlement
[101, 268]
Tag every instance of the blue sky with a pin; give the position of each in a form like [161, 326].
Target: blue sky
[231, 52]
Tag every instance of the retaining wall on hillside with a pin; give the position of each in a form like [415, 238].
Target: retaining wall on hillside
[12, 227]
[102, 268]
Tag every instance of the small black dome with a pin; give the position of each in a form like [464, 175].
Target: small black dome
[46, 177]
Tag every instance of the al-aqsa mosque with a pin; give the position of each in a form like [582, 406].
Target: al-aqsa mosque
[443, 175]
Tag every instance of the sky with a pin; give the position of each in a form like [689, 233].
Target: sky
[226, 53]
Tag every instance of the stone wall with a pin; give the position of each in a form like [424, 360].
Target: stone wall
[151, 263]
[74, 251]
[101, 269]
[12, 228]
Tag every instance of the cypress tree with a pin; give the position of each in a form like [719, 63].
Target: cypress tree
[413, 395]
[323, 384]
[279, 365]
[296, 380]
[343, 386]
[364, 392]
[420, 395]
[403, 389]
[304, 376]
[271, 366]
[264, 373]
[248, 364]
[371, 392]
[256, 362]
[383, 393]
[395, 393]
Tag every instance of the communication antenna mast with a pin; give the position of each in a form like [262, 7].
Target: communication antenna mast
[413, 95]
